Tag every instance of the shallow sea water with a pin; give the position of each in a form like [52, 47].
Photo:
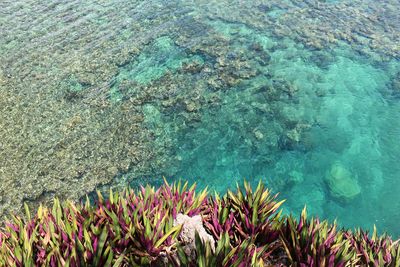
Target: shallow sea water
[303, 95]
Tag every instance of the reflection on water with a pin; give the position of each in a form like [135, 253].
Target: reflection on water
[301, 94]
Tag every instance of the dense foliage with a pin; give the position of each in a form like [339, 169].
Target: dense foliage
[136, 228]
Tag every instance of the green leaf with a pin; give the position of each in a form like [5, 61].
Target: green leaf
[111, 196]
[118, 262]
[173, 230]
[27, 213]
[182, 256]
[100, 245]
[110, 257]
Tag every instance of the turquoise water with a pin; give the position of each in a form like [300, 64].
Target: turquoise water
[340, 111]
[304, 95]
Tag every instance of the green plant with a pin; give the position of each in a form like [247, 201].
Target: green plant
[315, 243]
[137, 228]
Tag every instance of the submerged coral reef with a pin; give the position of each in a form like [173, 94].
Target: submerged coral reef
[101, 94]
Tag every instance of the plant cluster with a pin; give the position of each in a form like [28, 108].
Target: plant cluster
[136, 228]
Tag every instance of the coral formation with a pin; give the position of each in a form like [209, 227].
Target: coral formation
[99, 94]
[342, 183]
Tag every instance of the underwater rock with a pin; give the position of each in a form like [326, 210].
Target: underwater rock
[290, 140]
[261, 107]
[291, 116]
[295, 177]
[168, 103]
[264, 59]
[284, 143]
[342, 184]
[215, 83]
[192, 67]
[258, 134]
[322, 60]
[293, 135]
[285, 86]
[256, 46]
[191, 106]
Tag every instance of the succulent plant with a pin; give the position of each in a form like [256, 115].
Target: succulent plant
[244, 254]
[137, 228]
[315, 243]
[374, 250]
[246, 215]
[256, 213]
[132, 228]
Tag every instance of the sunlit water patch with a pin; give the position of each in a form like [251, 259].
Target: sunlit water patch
[321, 127]
[337, 116]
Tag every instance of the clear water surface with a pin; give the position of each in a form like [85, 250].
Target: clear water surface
[304, 95]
